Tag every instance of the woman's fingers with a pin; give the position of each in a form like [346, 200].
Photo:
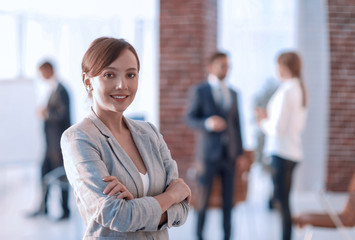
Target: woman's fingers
[109, 179]
[188, 199]
[179, 190]
[125, 195]
[116, 187]
[113, 181]
[119, 188]
[190, 195]
[108, 188]
[113, 187]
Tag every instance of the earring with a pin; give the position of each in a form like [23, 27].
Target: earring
[88, 88]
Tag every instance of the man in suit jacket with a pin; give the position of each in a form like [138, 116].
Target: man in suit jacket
[56, 117]
[213, 111]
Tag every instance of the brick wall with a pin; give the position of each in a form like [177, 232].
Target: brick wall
[341, 157]
[188, 31]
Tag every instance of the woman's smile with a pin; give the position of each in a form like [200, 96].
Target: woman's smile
[120, 98]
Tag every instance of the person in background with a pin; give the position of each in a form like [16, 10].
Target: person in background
[261, 100]
[124, 179]
[283, 122]
[56, 118]
[213, 111]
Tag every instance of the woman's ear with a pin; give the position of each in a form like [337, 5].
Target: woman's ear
[87, 82]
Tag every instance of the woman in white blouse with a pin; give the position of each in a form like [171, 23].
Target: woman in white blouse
[283, 122]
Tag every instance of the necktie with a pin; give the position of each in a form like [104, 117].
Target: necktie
[221, 97]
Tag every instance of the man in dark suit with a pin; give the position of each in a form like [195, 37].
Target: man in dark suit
[213, 110]
[56, 117]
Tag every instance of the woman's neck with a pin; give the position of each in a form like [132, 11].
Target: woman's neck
[113, 120]
[288, 78]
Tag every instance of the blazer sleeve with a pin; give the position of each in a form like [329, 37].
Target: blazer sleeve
[85, 170]
[58, 106]
[195, 117]
[236, 97]
[176, 214]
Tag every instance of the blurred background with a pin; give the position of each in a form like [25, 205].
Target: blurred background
[173, 39]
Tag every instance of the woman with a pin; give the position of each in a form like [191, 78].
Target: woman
[283, 123]
[124, 179]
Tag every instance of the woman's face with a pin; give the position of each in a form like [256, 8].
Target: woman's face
[116, 86]
[283, 72]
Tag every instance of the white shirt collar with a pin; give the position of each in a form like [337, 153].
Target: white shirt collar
[290, 80]
[53, 83]
[214, 81]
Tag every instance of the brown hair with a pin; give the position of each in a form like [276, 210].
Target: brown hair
[46, 64]
[102, 52]
[292, 61]
[216, 55]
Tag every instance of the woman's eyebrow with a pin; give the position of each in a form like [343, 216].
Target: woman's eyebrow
[111, 68]
[128, 69]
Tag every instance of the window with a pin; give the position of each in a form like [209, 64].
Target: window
[9, 52]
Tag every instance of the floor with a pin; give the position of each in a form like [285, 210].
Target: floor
[251, 220]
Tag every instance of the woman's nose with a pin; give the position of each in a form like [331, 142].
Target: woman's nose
[121, 83]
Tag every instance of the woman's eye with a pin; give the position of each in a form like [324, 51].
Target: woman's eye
[131, 75]
[108, 75]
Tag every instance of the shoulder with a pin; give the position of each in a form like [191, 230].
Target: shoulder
[61, 86]
[147, 129]
[83, 129]
[142, 126]
[200, 89]
[291, 89]
[62, 89]
[201, 86]
[290, 85]
[233, 91]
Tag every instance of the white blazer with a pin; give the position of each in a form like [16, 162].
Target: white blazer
[91, 152]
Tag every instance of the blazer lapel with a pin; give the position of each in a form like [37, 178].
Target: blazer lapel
[144, 145]
[120, 154]
[213, 103]
[53, 97]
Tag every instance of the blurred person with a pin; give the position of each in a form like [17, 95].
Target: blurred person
[261, 100]
[283, 122]
[213, 111]
[125, 181]
[56, 118]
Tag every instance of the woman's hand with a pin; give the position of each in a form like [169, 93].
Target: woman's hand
[116, 187]
[176, 192]
[179, 191]
[261, 114]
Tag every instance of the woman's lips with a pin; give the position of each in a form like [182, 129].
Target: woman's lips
[119, 98]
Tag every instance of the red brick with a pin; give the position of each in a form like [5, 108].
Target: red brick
[341, 153]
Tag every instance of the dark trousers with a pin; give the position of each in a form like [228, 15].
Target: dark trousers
[282, 179]
[47, 167]
[226, 172]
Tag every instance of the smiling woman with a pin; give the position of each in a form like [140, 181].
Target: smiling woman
[113, 86]
[121, 170]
